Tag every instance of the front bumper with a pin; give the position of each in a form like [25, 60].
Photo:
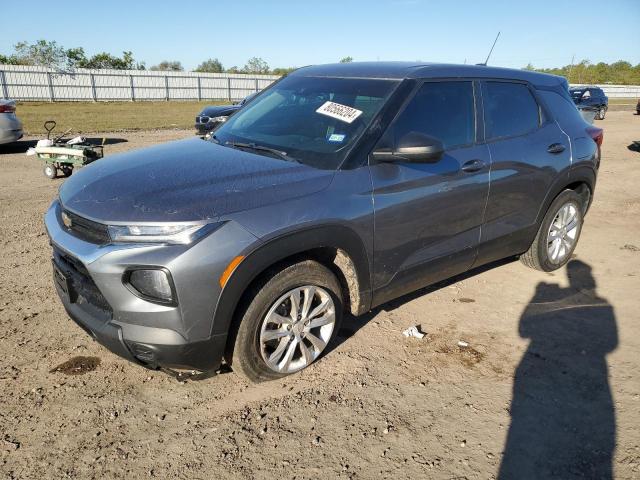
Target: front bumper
[147, 333]
[10, 128]
[9, 136]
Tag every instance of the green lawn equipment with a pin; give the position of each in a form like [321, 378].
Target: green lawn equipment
[62, 156]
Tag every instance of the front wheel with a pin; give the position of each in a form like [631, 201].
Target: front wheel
[558, 234]
[50, 171]
[288, 322]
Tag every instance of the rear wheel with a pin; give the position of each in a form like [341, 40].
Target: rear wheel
[50, 171]
[558, 234]
[287, 323]
[601, 113]
[67, 171]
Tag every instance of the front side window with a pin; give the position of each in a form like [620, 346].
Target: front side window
[444, 110]
[509, 109]
[311, 120]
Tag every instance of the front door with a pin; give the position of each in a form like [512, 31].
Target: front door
[428, 215]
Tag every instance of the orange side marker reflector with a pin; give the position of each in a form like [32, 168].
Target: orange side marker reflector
[229, 270]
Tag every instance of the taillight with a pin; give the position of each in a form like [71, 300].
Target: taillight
[597, 134]
[7, 108]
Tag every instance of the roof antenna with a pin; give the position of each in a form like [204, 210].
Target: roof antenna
[490, 51]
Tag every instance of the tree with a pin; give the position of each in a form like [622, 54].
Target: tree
[106, 60]
[211, 65]
[346, 60]
[620, 72]
[169, 66]
[43, 53]
[51, 55]
[256, 65]
[282, 70]
[233, 69]
[76, 58]
[9, 60]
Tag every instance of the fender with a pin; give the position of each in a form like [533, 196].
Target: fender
[577, 174]
[286, 245]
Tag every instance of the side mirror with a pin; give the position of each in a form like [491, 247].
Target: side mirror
[413, 147]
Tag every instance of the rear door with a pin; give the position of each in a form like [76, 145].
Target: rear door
[528, 152]
[428, 215]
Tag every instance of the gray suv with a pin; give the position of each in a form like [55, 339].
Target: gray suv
[335, 190]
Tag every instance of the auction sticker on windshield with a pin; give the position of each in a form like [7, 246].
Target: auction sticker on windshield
[341, 112]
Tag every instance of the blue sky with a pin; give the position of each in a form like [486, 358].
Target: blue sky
[296, 33]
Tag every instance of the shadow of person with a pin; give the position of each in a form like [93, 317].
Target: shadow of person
[562, 412]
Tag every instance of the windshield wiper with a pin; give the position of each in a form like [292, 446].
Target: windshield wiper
[260, 148]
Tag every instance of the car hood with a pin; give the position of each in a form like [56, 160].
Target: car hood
[187, 180]
[217, 110]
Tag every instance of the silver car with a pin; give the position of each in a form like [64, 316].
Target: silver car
[10, 125]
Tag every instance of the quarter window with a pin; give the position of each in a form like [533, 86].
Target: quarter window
[444, 110]
[509, 109]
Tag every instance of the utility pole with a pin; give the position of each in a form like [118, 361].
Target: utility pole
[573, 57]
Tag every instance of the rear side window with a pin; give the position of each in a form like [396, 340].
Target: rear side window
[444, 110]
[509, 109]
[562, 109]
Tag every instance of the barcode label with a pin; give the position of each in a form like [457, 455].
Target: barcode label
[339, 111]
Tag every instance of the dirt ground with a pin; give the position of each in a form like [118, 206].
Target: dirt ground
[547, 388]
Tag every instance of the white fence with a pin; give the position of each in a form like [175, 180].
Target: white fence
[41, 84]
[619, 91]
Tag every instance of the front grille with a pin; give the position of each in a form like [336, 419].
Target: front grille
[84, 290]
[86, 229]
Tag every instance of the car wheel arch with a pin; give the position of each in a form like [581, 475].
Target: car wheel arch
[580, 181]
[335, 246]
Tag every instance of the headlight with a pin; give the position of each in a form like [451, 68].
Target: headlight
[218, 119]
[180, 234]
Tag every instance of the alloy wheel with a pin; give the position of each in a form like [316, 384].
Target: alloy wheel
[563, 233]
[297, 328]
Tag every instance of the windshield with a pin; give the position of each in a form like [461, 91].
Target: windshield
[311, 120]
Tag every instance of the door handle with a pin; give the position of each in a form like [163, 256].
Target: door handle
[556, 148]
[472, 166]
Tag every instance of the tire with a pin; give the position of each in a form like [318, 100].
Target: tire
[601, 113]
[50, 171]
[67, 171]
[271, 299]
[541, 252]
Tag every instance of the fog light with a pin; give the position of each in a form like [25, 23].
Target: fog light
[154, 285]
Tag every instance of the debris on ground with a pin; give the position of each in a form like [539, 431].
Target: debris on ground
[413, 332]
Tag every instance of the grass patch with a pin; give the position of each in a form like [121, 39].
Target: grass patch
[623, 101]
[89, 117]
